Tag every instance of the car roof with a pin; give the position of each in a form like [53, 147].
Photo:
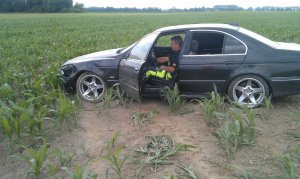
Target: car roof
[196, 26]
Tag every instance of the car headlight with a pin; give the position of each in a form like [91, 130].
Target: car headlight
[67, 70]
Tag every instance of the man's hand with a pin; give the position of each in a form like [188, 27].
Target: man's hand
[163, 67]
[168, 69]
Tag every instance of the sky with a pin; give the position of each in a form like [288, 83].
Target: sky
[167, 4]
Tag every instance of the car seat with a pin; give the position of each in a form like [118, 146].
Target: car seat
[194, 48]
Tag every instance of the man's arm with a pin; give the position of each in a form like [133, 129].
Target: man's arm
[168, 69]
[163, 59]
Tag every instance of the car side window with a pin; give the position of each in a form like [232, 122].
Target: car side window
[164, 41]
[141, 49]
[233, 46]
[206, 43]
[211, 42]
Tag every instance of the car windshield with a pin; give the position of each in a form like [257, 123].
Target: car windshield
[141, 49]
[259, 37]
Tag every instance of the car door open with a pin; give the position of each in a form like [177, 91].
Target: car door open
[131, 67]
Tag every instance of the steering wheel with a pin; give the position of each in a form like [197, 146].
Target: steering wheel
[152, 57]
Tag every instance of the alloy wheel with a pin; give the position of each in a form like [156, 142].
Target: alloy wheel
[91, 87]
[249, 91]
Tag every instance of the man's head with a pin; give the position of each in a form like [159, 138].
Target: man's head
[176, 43]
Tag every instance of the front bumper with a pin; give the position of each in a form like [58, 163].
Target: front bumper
[68, 73]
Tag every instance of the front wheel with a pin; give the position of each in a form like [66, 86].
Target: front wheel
[90, 87]
[249, 90]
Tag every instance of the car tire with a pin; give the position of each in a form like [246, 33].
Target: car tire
[90, 87]
[249, 90]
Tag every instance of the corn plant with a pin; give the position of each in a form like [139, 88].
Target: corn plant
[51, 77]
[112, 141]
[158, 151]
[8, 131]
[121, 96]
[245, 174]
[224, 137]
[212, 107]
[66, 107]
[297, 152]
[65, 159]
[217, 99]
[12, 122]
[7, 123]
[79, 173]
[35, 123]
[36, 160]
[250, 120]
[114, 156]
[238, 130]
[209, 109]
[140, 119]
[173, 177]
[188, 171]
[268, 103]
[173, 98]
[107, 98]
[287, 165]
[6, 92]
[230, 137]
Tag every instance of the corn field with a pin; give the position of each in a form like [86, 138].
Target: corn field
[33, 101]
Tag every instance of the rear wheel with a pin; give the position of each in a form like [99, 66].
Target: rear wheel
[90, 87]
[249, 90]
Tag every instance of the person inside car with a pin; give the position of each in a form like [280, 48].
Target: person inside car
[167, 72]
[194, 47]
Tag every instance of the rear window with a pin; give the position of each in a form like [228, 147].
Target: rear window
[211, 42]
[233, 46]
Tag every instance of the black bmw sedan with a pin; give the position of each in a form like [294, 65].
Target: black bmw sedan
[240, 63]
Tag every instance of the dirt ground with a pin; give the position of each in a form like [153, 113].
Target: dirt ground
[98, 125]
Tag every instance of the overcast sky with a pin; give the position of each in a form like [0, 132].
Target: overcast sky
[166, 4]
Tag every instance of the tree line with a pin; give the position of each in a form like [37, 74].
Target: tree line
[196, 9]
[67, 6]
[40, 6]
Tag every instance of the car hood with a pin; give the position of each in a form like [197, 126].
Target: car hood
[101, 55]
[288, 46]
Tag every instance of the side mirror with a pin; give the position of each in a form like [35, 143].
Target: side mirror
[127, 55]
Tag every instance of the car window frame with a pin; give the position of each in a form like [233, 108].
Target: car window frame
[218, 31]
[137, 42]
[172, 33]
[185, 40]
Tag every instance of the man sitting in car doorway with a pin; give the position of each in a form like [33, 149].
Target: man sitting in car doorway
[167, 72]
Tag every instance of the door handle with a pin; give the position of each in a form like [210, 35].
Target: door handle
[136, 69]
[230, 62]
